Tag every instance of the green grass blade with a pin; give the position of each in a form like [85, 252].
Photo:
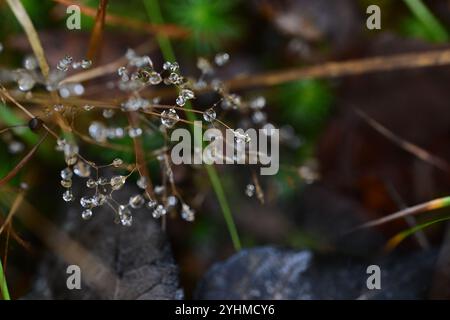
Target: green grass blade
[3, 285]
[154, 13]
[397, 239]
[422, 13]
[218, 189]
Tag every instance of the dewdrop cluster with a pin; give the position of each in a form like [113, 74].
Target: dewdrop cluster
[97, 184]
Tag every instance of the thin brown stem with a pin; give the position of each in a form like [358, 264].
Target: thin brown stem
[168, 30]
[405, 145]
[97, 32]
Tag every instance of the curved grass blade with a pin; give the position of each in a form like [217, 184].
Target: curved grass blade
[423, 207]
[23, 18]
[398, 238]
[422, 13]
[3, 285]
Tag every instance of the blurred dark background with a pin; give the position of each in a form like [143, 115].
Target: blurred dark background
[336, 170]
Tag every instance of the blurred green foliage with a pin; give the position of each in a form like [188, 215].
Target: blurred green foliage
[410, 18]
[305, 104]
[211, 22]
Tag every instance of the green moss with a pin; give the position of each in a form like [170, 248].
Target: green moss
[211, 22]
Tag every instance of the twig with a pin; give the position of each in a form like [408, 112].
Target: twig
[405, 145]
[12, 210]
[169, 30]
[22, 162]
[23, 18]
[346, 68]
[97, 31]
[140, 157]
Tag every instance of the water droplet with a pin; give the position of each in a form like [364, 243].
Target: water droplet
[221, 59]
[174, 67]
[309, 173]
[108, 113]
[66, 183]
[70, 149]
[26, 82]
[174, 78]
[86, 202]
[58, 107]
[117, 182]
[136, 201]
[209, 115]
[187, 213]
[154, 78]
[66, 173]
[15, 147]
[86, 214]
[170, 66]
[250, 190]
[259, 117]
[97, 131]
[30, 63]
[169, 118]
[156, 100]
[90, 183]
[126, 219]
[60, 143]
[64, 63]
[117, 162]
[76, 65]
[98, 200]
[159, 211]
[134, 104]
[134, 132]
[151, 204]
[102, 181]
[159, 189]
[68, 196]
[232, 101]
[142, 182]
[86, 64]
[172, 201]
[82, 169]
[181, 101]
[258, 103]
[123, 74]
[204, 65]
[241, 137]
[121, 71]
[187, 94]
